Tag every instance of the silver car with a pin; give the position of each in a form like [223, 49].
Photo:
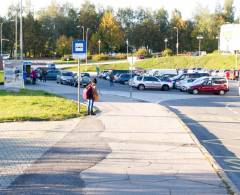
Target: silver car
[64, 77]
[150, 82]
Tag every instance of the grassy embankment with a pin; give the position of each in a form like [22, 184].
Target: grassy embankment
[28, 105]
[1, 77]
[210, 61]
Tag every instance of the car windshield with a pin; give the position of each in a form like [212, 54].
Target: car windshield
[199, 81]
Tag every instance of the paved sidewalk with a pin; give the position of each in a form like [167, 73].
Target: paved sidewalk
[130, 148]
[22, 143]
[151, 154]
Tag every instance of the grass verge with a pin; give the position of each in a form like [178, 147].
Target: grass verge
[28, 105]
[1, 77]
[210, 61]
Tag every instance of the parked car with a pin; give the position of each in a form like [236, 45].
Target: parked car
[65, 77]
[52, 74]
[187, 76]
[185, 84]
[216, 85]
[84, 80]
[104, 74]
[150, 82]
[115, 72]
[51, 66]
[124, 78]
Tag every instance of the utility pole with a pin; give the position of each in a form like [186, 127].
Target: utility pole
[1, 25]
[16, 35]
[21, 32]
[177, 44]
[199, 44]
[87, 45]
[99, 47]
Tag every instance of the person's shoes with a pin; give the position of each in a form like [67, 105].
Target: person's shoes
[93, 114]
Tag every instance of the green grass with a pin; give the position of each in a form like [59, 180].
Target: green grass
[210, 61]
[1, 77]
[27, 105]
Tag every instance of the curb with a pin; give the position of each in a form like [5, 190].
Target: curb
[230, 186]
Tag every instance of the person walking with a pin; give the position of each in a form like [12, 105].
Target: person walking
[44, 75]
[111, 79]
[92, 96]
[34, 76]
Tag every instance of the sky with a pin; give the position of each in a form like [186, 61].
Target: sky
[186, 7]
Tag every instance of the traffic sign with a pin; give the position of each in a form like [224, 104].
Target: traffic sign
[79, 49]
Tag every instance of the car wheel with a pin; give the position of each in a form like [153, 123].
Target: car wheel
[141, 87]
[195, 91]
[221, 92]
[165, 87]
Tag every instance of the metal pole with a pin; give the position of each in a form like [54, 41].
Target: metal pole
[99, 47]
[127, 47]
[199, 47]
[1, 37]
[83, 33]
[79, 85]
[87, 45]
[177, 42]
[21, 33]
[16, 35]
[131, 89]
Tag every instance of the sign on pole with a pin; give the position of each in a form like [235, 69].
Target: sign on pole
[79, 49]
[79, 52]
[13, 74]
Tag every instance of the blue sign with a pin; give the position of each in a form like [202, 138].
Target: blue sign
[79, 49]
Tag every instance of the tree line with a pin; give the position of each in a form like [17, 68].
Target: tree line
[50, 31]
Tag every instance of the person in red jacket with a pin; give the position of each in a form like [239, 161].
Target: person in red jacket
[227, 74]
[34, 76]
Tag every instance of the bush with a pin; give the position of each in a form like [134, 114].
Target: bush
[143, 53]
[67, 58]
[100, 57]
[167, 52]
[121, 56]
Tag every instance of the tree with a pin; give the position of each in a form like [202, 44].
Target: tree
[228, 11]
[110, 32]
[64, 45]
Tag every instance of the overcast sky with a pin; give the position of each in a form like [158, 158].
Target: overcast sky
[186, 7]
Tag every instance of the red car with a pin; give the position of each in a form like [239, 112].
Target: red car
[216, 85]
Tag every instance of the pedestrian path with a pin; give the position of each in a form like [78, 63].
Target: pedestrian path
[22, 143]
[151, 153]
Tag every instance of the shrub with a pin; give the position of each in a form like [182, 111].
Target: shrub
[167, 52]
[67, 58]
[100, 57]
[121, 56]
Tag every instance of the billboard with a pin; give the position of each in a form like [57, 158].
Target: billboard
[13, 74]
[229, 38]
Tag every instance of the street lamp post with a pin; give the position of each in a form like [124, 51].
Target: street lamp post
[21, 32]
[165, 40]
[199, 44]
[83, 38]
[99, 46]
[127, 46]
[16, 35]
[177, 44]
[1, 24]
[87, 44]
[218, 40]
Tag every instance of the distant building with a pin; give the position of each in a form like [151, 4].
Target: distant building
[230, 38]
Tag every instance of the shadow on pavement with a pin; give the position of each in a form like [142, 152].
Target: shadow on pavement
[228, 161]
